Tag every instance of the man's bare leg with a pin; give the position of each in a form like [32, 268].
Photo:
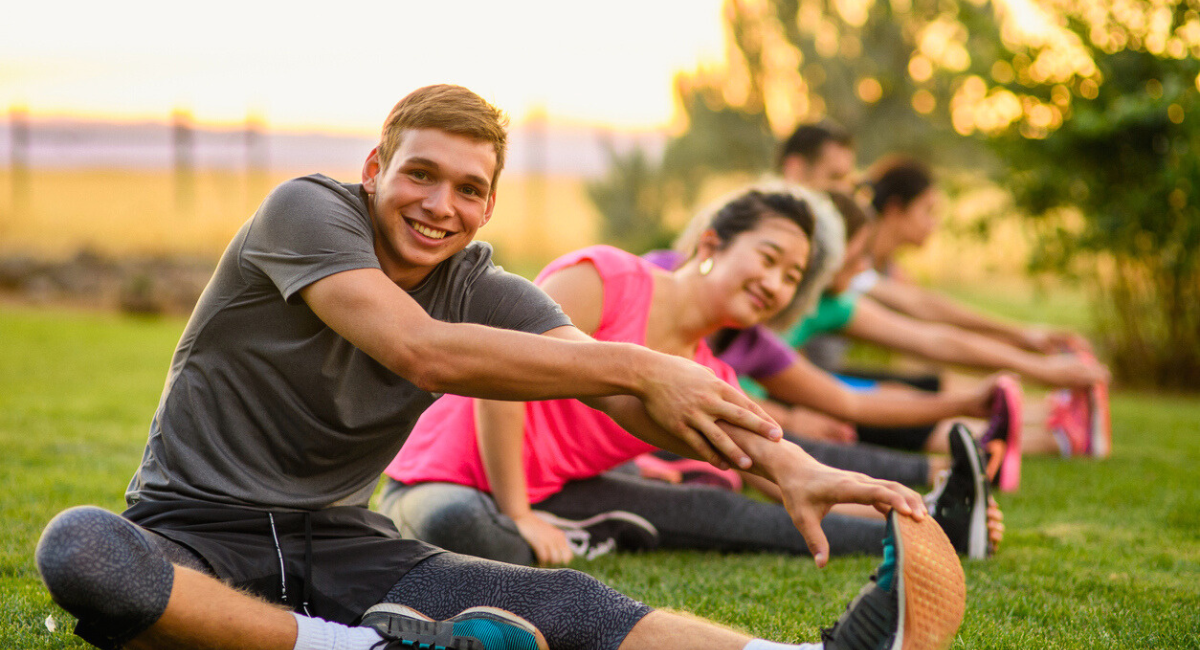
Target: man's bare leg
[117, 580]
[916, 598]
[205, 613]
[672, 631]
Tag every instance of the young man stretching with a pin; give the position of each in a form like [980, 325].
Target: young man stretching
[337, 314]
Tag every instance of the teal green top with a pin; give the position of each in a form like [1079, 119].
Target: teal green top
[832, 314]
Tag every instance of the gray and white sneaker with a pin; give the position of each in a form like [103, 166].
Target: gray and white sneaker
[959, 500]
[615, 530]
[477, 628]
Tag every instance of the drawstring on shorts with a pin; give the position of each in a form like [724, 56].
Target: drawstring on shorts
[307, 595]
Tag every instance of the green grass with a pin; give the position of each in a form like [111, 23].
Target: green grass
[1098, 554]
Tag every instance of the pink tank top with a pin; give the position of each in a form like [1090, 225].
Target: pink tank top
[564, 439]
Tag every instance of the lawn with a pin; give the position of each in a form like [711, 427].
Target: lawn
[1098, 554]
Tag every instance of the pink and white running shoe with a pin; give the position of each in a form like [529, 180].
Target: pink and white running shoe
[1068, 419]
[1099, 422]
[1079, 418]
[1002, 440]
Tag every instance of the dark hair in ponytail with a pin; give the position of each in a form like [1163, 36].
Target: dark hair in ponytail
[898, 178]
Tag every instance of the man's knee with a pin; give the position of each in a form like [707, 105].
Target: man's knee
[96, 563]
[580, 587]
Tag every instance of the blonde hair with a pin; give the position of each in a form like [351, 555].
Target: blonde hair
[826, 249]
[449, 108]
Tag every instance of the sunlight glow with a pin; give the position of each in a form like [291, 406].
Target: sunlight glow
[297, 66]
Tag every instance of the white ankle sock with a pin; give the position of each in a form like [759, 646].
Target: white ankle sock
[319, 634]
[762, 644]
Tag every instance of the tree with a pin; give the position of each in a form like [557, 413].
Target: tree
[631, 201]
[1114, 152]
[638, 191]
[1088, 107]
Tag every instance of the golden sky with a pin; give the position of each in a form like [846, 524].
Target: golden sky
[341, 66]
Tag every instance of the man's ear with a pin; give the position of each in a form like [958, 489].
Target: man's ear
[491, 205]
[371, 170]
[793, 169]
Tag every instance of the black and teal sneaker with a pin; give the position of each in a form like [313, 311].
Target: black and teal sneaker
[478, 628]
[959, 501]
[915, 600]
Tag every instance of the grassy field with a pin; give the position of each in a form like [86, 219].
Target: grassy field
[1098, 554]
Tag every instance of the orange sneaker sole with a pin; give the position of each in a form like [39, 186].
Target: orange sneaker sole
[932, 582]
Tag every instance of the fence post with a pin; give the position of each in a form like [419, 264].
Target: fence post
[183, 144]
[257, 158]
[19, 156]
[535, 182]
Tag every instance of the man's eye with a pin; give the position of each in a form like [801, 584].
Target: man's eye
[419, 175]
[470, 191]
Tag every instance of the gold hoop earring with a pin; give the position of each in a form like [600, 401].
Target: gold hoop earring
[706, 266]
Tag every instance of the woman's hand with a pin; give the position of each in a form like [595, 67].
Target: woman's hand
[807, 423]
[995, 524]
[1070, 371]
[810, 489]
[549, 544]
[689, 400]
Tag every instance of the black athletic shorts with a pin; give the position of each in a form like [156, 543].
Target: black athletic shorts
[905, 438]
[332, 563]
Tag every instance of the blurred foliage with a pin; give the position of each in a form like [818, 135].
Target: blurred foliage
[638, 191]
[631, 199]
[1116, 183]
[1083, 109]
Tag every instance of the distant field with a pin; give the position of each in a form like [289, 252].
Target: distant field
[56, 213]
[1098, 554]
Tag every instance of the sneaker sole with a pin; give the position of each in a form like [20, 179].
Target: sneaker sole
[1101, 428]
[977, 536]
[932, 585]
[1099, 420]
[622, 515]
[398, 609]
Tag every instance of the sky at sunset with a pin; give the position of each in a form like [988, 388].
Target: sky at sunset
[340, 66]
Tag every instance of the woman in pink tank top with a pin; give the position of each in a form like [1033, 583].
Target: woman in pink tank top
[527, 482]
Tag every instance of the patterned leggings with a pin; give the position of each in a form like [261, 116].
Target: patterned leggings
[116, 578]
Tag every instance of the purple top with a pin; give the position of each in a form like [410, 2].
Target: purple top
[756, 352]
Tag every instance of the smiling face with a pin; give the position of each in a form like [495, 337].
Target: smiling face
[755, 274]
[429, 201]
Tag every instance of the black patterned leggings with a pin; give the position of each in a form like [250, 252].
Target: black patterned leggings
[116, 578]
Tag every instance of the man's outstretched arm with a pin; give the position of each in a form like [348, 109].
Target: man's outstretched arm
[808, 488]
[684, 398]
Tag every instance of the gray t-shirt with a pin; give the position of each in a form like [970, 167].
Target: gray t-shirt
[267, 407]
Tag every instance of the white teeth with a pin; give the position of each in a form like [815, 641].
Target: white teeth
[428, 232]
